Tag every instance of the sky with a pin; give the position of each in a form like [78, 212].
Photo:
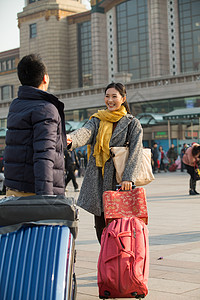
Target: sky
[9, 31]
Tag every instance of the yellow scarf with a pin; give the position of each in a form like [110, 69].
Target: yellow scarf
[101, 148]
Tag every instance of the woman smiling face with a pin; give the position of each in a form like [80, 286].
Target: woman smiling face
[113, 99]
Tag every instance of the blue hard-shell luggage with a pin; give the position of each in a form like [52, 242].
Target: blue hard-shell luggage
[37, 262]
[37, 248]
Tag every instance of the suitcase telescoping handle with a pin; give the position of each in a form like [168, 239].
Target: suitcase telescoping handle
[118, 187]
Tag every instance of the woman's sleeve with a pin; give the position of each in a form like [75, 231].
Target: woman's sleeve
[84, 135]
[135, 151]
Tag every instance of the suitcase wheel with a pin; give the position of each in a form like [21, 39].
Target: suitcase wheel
[134, 294]
[140, 296]
[106, 295]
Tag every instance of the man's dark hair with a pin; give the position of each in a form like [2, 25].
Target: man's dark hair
[31, 70]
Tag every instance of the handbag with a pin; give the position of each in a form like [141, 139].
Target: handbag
[165, 160]
[120, 157]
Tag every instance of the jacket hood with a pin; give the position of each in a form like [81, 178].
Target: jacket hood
[26, 92]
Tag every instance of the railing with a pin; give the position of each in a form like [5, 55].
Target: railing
[137, 84]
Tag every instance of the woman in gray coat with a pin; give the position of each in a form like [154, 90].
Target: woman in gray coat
[108, 128]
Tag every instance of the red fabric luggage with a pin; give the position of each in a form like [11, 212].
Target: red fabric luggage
[173, 168]
[123, 265]
[120, 204]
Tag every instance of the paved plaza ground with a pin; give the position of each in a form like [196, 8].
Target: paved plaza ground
[174, 236]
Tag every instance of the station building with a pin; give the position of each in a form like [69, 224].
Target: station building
[151, 46]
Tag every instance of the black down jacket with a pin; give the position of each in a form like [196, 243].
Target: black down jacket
[35, 141]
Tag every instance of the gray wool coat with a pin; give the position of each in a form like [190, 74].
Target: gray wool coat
[93, 186]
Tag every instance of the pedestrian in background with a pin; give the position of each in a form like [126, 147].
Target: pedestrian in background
[81, 163]
[163, 160]
[71, 165]
[155, 155]
[172, 154]
[191, 159]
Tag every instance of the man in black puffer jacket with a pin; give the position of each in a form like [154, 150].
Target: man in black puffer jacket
[36, 138]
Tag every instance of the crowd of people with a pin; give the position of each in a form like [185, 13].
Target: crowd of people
[188, 159]
[167, 160]
[161, 161]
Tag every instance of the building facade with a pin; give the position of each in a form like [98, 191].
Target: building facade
[152, 46]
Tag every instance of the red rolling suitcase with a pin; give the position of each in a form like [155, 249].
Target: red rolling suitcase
[123, 265]
[120, 204]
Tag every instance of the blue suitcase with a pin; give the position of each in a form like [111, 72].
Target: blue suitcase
[37, 262]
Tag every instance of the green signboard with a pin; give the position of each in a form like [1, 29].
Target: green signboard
[161, 135]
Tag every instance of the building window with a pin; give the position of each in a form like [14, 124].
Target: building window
[3, 123]
[172, 37]
[112, 67]
[132, 38]
[3, 66]
[6, 92]
[33, 30]
[85, 54]
[7, 65]
[164, 106]
[189, 20]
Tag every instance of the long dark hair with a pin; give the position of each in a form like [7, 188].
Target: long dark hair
[122, 90]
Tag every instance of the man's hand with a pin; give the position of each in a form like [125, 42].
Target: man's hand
[69, 140]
